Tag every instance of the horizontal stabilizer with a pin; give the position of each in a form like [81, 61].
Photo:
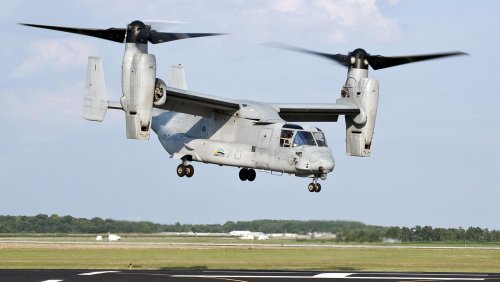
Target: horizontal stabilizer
[95, 101]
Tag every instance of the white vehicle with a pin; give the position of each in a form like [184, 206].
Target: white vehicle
[195, 127]
[113, 237]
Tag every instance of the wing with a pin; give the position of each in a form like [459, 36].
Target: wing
[193, 103]
[315, 112]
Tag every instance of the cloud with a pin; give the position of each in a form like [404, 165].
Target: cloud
[54, 55]
[287, 6]
[40, 105]
[346, 19]
[393, 2]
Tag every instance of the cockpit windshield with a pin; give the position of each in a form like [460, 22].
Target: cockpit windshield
[303, 138]
[320, 139]
[293, 137]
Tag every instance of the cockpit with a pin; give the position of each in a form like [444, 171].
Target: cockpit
[293, 135]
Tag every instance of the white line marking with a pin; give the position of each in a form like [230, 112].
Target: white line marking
[98, 272]
[52, 281]
[347, 275]
[332, 275]
[418, 278]
[240, 276]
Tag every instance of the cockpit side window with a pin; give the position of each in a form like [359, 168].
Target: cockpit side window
[286, 138]
[320, 139]
[304, 138]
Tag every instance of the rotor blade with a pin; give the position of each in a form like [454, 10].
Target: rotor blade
[113, 34]
[161, 25]
[339, 58]
[380, 62]
[161, 37]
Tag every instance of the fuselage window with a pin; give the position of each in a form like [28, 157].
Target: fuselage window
[286, 138]
[320, 139]
[304, 138]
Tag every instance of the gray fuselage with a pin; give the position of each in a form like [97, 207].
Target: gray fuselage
[238, 140]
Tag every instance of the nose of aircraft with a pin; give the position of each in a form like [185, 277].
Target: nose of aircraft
[326, 163]
[315, 160]
[322, 160]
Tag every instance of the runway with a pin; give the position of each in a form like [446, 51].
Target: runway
[224, 275]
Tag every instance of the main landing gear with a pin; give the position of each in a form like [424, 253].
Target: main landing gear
[247, 174]
[185, 170]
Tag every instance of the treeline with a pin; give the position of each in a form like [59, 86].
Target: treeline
[346, 231]
[67, 224]
[429, 234]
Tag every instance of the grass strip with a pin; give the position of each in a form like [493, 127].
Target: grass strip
[425, 260]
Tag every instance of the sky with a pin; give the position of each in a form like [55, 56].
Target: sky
[435, 154]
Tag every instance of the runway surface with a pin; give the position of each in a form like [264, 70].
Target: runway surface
[235, 276]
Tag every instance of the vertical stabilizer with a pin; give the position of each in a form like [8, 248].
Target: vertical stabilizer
[177, 77]
[95, 101]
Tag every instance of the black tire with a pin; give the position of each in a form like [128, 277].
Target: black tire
[251, 175]
[181, 170]
[243, 174]
[189, 170]
[311, 187]
[318, 188]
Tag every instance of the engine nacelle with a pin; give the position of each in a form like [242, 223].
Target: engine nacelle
[138, 105]
[160, 96]
[360, 128]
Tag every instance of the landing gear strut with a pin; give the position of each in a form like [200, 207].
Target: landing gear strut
[247, 174]
[185, 170]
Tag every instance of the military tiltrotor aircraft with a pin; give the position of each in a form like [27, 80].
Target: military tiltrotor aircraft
[246, 134]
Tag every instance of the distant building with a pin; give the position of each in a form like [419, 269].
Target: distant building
[238, 233]
[323, 235]
[249, 235]
[283, 235]
[98, 238]
[263, 237]
[391, 241]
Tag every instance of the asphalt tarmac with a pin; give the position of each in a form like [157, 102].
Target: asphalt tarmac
[224, 275]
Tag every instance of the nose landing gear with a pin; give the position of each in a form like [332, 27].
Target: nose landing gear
[247, 174]
[314, 187]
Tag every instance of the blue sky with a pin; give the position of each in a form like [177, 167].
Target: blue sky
[436, 147]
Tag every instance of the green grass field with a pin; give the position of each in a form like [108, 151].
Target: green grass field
[85, 253]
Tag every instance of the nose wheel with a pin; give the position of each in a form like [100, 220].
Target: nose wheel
[314, 187]
[247, 174]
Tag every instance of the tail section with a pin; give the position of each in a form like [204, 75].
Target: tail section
[177, 77]
[137, 105]
[95, 101]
